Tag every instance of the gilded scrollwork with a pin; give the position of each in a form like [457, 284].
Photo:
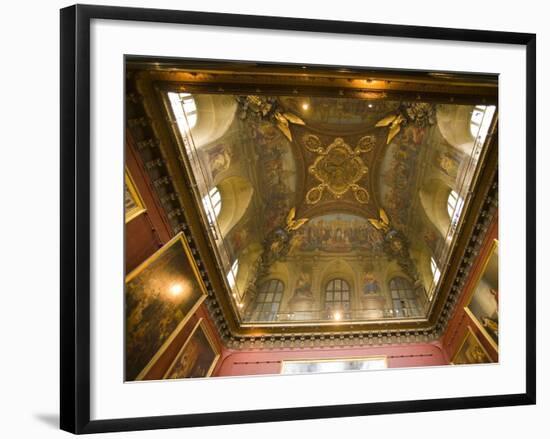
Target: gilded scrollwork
[338, 168]
[315, 194]
[360, 194]
[312, 143]
[366, 143]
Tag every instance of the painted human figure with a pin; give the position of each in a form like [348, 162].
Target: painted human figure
[303, 286]
[370, 285]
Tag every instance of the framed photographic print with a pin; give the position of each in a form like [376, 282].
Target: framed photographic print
[286, 204]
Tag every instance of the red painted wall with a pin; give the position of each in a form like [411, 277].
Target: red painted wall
[147, 232]
[257, 362]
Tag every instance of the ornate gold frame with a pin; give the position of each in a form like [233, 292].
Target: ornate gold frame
[178, 238]
[200, 324]
[467, 310]
[140, 208]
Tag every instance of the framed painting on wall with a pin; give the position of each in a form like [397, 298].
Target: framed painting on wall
[471, 351]
[284, 172]
[482, 307]
[161, 295]
[198, 356]
[133, 203]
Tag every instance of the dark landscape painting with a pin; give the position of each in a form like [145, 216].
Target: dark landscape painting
[160, 296]
[197, 357]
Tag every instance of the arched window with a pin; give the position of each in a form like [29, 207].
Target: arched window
[435, 271]
[480, 122]
[338, 300]
[404, 299]
[185, 110]
[232, 274]
[212, 205]
[454, 207]
[268, 300]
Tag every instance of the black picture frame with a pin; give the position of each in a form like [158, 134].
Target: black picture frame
[75, 217]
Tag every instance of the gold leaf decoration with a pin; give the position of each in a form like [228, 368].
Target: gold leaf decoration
[314, 194]
[285, 130]
[361, 195]
[384, 217]
[339, 168]
[298, 223]
[281, 119]
[395, 127]
[291, 215]
[291, 223]
[292, 118]
[377, 224]
[383, 223]
[386, 120]
[366, 143]
[312, 143]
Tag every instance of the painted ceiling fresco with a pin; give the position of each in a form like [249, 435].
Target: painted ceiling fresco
[346, 208]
